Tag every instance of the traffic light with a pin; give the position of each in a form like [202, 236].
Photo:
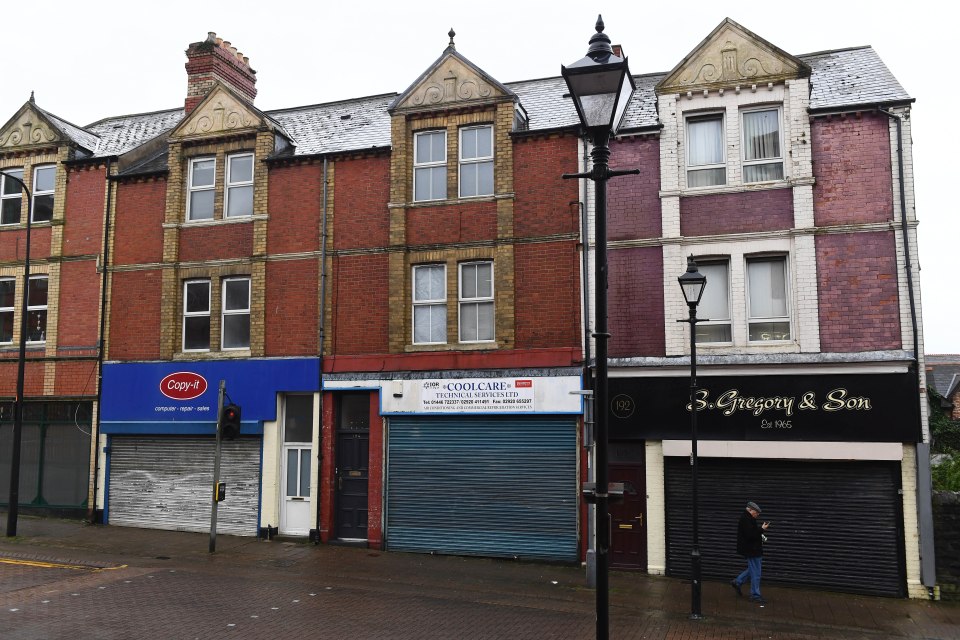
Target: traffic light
[230, 421]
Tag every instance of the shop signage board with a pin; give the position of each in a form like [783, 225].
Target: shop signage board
[825, 408]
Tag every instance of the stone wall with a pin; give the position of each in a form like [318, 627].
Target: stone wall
[946, 524]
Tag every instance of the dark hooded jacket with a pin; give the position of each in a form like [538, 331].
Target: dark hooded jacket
[749, 536]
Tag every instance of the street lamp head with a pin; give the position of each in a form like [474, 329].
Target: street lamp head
[692, 283]
[600, 85]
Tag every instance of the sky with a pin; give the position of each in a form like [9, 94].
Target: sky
[87, 61]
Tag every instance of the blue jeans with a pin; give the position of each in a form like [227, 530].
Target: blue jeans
[753, 573]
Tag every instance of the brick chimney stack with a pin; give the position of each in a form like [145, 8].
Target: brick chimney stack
[212, 60]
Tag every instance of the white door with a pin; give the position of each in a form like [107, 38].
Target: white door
[296, 514]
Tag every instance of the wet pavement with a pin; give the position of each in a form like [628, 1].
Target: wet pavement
[67, 579]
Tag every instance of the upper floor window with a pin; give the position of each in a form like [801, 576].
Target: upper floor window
[239, 185]
[715, 303]
[430, 304]
[767, 310]
[11, 195]
[236, 313]
[37, 309]
[762, 154]
[8, 288]
[476, 161]
[706, 161]
[476, 302]
[430, 165]
[44, 182]
[196, 315]
[202, 193]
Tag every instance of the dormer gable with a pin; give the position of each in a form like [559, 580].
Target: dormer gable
[33, 127]
[223, 112]
[732, 56]
[451, 81]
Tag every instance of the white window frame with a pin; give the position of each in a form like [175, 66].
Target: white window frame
[710, 319]
[692, 168]
[463, 302]
[240, 311]
[761, 161]
[18, 196]
[234, 184]
[786, 318]
[11, 309]
[429, 165]
[439, 303]
[195, 314]
[477, 160]
[37, 308]
[42, 193]
[191, 189]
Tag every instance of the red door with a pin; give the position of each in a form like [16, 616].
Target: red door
[628, 524]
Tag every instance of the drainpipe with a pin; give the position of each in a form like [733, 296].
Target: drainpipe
[928, 568]
[322, 336]
[95, 428]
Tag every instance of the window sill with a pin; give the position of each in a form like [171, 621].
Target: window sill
[216, 222]
[713, 348]
[454, 346]
[449, 201]
[233, 354]
[734, 188]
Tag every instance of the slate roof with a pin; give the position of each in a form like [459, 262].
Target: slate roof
[840, 78]
[943, 372]
[849, 77]
[121, 134]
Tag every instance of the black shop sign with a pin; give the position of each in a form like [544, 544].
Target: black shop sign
[830, 408]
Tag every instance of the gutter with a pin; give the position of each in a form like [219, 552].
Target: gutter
[95, 429]
[321, 338]
[928, 568]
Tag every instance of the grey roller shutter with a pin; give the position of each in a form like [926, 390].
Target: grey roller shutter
[483, 486]
[166, 483]
[834, 525]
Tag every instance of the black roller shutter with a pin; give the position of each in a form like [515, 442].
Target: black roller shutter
[502, 486]
[833, 525]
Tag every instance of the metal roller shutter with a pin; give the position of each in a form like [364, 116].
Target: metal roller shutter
[500, 486]
[833, 525]
[166, 483]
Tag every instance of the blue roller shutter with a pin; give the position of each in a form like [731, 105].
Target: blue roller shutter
[502, 487]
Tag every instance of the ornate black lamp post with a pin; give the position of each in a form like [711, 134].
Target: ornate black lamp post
[601, 86]
[13, 505]
[693, 283]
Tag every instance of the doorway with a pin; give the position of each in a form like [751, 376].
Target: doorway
[628, 527]
[297, 455]
[353, 467]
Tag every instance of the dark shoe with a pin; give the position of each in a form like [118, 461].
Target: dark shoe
[736, 587]
[759, 601]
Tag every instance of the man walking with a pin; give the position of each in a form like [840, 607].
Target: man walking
[750, 545]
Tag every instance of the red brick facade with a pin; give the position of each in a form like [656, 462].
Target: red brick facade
[851, 163]
[635, 319]
[633, 202]
[858, 292]
[746, 212]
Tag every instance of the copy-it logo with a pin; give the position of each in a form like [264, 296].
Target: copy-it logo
[183, 385]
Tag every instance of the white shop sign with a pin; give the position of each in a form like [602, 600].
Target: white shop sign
[513, 395]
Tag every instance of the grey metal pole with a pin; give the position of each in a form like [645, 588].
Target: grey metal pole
[216, 471]
[13, 504]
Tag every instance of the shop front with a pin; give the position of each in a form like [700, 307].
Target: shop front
[482, 466]
[826, 456]
[158, 444]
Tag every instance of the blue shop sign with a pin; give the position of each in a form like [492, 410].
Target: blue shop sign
[181, 397]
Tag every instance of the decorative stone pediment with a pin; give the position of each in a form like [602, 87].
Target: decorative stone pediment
[452, 80]
[731, 56]
[28, 128]
[220, 112]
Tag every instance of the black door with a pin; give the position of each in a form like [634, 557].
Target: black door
[352, 472]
